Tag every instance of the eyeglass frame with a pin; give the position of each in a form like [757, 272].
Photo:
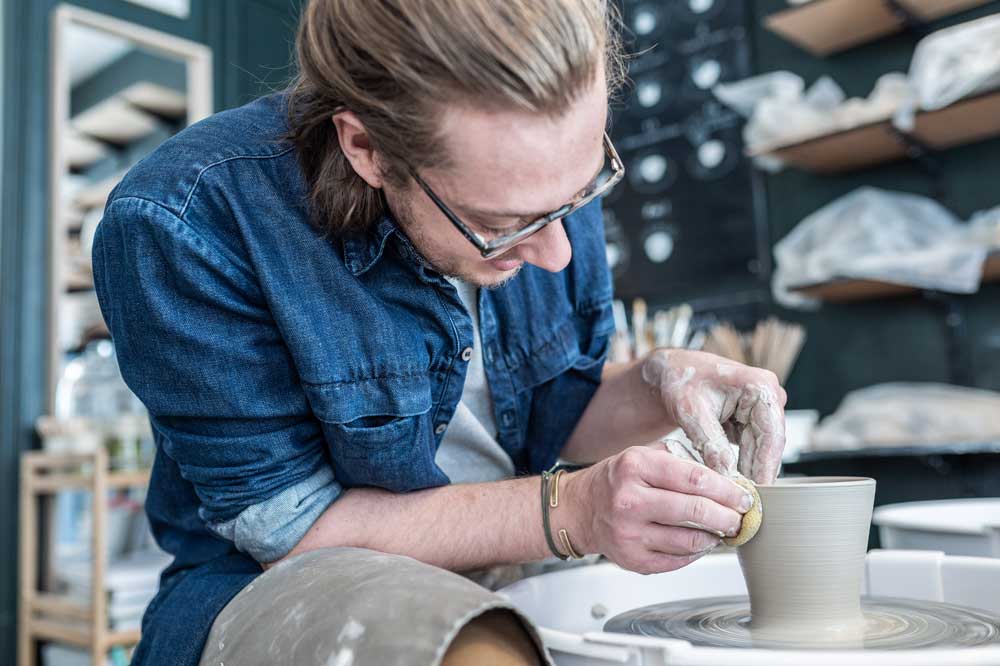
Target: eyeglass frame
[490, 249]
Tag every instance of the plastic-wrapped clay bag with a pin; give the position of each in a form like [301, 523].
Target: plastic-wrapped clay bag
[956, 62]
[878, 235]
[901, 414]
[782, 112]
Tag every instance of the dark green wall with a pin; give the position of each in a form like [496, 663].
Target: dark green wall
[851, 346]
[251, 41]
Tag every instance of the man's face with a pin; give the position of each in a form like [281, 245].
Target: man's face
[507, 168]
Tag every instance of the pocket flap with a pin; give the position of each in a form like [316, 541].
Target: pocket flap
[396, 396]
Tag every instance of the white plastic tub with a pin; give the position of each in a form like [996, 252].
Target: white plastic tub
[570, 608]
[955, 527]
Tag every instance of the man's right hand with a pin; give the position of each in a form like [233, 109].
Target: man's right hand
[649, 511]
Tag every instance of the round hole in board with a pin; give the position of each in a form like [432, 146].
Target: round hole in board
[700, 6]
[649, 93]
[659, 245]
[644, 20]
[711, 153]
[706, 73]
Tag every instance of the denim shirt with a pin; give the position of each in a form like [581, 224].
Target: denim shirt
[281, 366]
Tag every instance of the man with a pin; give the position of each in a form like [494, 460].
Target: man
[370, 311]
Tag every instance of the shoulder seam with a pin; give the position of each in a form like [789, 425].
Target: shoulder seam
[197, 180]
[216, 250]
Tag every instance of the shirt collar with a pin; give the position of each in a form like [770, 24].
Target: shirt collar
[362, 250]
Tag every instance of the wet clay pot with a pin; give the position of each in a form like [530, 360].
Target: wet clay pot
[805, 567]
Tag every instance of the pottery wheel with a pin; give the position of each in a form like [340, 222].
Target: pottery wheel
[889, 624]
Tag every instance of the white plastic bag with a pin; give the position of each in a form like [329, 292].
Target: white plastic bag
[904, 414]
[956, 62]
[782, 112]
[879, 235]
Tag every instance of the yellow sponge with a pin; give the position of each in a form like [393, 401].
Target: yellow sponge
[751, 519]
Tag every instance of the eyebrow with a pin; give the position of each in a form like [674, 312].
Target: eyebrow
[534, 215]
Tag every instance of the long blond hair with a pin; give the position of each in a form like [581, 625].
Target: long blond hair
[394, 62]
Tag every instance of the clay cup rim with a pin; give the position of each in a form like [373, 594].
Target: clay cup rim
[796, 484]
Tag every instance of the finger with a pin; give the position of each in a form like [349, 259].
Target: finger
[703, 428]
[748, 451]
[682, 450]
[652, 562]
[665, 472]
[767, 425]
[677, 541]
[672, 509]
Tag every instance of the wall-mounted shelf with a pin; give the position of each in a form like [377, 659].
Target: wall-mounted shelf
[848, 290]
[824, 27]
[966, 121]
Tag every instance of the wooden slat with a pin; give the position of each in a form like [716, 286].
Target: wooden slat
[53, 483]
[124, 638]
[99, 559]
[849, 291]
[824, 27]
[55, 606]
[28, 563]
[844, 151]
[967, 121]
[53, 630]
[128, 479]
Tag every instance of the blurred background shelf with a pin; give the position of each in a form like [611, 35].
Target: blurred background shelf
[847, 291]
[824, 27]
[967, 121]
[57, 617]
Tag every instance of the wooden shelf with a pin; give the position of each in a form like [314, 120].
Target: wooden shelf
[824, 27]
[966, 121]
[849, 291]
[44, 616]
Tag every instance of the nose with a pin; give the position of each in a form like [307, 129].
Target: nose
[548, 249]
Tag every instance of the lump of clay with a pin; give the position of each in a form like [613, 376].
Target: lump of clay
[751, 519]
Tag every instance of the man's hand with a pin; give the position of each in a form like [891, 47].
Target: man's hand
[649, 511]
[717, 402]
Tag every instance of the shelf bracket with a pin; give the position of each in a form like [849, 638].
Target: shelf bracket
[925, 157]
[907, 17]
[960, 363]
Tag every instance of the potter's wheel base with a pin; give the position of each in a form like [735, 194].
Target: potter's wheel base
[890, 624]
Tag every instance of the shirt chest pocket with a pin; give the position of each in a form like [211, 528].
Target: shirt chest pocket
[378, 431]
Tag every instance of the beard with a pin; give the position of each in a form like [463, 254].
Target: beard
[434, 257]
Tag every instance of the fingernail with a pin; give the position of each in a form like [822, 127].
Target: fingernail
[747, 503]
[733, 531]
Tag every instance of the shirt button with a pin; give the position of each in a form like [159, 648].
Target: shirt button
[441, 428]
[467, 354]
[507, 418]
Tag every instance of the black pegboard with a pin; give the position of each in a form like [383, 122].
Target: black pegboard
[682, 225]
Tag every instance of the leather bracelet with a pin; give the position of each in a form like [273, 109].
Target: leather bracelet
[550, 500]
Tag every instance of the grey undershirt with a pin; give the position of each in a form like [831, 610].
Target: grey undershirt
[469, 452]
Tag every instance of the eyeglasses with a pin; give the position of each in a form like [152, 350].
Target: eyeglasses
[491, 248]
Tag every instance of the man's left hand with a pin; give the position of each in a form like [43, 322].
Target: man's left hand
[717, 402]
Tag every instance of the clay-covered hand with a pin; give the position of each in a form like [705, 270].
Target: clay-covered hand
[649, 511]
[718, 402]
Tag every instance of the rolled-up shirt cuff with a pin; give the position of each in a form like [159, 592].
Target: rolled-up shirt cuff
[269, 530]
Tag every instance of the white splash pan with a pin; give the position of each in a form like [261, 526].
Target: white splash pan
[564, 605]
[955, 527]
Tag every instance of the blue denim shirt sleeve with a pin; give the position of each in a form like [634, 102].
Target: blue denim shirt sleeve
[197, 343]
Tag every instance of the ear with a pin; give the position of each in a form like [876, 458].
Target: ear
[357, 147]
